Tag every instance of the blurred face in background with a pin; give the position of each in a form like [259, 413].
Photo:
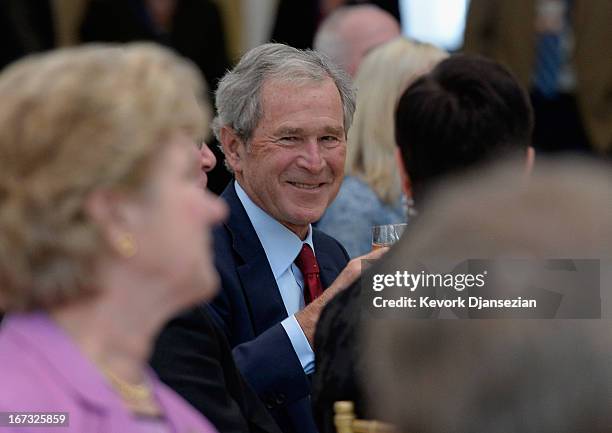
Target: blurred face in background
[365, 30]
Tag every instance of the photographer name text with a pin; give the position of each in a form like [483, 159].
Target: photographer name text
[474, 302]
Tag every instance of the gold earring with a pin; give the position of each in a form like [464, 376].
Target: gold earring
[127, 245]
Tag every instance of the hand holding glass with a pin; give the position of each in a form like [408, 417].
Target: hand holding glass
[386, 235]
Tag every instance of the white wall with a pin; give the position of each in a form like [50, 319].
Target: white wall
[440, 22]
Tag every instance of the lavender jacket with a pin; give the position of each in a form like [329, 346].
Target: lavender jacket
[42, 370]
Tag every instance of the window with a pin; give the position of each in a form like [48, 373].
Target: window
[440, 22]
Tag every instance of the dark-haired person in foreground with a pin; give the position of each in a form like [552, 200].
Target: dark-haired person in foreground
[466, 112]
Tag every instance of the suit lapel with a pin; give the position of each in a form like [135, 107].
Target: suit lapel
[265, 304]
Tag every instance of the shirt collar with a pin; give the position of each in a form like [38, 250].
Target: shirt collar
[280, 244]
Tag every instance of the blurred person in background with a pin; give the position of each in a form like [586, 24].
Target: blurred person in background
[349, 32]
[104, 232]
[557, 49]
[467, 112]
[499, 375]
[371, 192]
[297, 22]
[26, 26]
[193, 28]
[391, 6]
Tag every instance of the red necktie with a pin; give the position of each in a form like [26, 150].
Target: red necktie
[307, 264]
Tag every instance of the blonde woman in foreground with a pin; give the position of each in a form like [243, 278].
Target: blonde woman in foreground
[371, 192]
[104, 230]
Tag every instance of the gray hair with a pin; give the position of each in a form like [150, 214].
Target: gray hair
[238, 96]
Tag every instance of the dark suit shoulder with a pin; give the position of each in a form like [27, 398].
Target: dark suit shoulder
[193, 357]
[324, 242]
[222, 240]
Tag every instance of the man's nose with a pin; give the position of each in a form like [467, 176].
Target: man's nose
[311, 158]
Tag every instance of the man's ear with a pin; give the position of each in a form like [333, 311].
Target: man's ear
[404, 177]
[233, 148]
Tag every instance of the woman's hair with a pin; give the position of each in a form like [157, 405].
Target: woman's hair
[380, 80]
[73, 121]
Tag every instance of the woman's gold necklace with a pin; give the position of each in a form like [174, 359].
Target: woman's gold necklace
[138, 397]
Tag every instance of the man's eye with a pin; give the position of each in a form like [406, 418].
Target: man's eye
[290, 138]
[330, 139]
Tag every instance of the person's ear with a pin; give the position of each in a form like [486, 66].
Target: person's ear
[234, 148]
[529, 160]
[404, 177]
[115, 215]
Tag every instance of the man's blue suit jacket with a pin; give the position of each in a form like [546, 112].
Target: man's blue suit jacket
[249, 309]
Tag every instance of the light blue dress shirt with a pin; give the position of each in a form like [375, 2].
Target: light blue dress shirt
[282, 247]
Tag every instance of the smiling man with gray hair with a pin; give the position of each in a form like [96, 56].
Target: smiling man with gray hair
[283, 116]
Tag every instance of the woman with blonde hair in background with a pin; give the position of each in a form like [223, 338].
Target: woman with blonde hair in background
[371, 193]
[104, 235]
